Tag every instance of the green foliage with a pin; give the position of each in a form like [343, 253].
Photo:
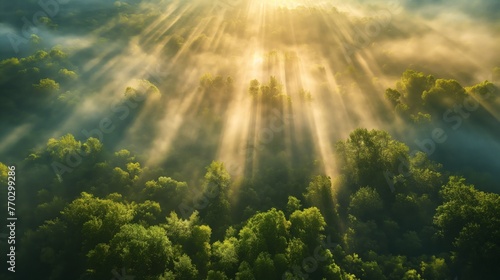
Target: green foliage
[68, 74]
[296, 251]
[92, 146]
[444, 93]
[192, 237]
[366, 155]
[59, 54]
[4, 171]
[47, 85]
[225, 255]
[264, 267]
[435, 268]
[412, 274]
[468, 221]
[366, 204]
[413, 211]
[386, 214]
[148, 213]
[308, 225]
[421, 98]
[393, 95]
[272, 89]
[142, 89]
[35, 39]
[165, 190]
[147, 252]
[305, 95]
[97, 219]
[293, 205]
[405, 234]
[32, 82]
[207, 81]
[254, 88]
[216, 275]
[66, 145]
[421, 118]
[184, 269]
[245, 272]
[319, 194]
[264, 232]
[175, 43]
[271, 93]
[413, 84]
[485, 90]
[216, 190]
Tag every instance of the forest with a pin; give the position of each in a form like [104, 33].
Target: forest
[250, 140]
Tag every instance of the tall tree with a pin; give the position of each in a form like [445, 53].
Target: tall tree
[216, 191]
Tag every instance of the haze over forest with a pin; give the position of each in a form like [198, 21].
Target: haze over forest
[251, 139]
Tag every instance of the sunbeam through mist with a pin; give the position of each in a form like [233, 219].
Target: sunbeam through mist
[250, 139]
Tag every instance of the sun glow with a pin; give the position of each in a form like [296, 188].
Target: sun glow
[265, 39]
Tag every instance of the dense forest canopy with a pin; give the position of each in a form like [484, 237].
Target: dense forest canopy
[250, 139]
